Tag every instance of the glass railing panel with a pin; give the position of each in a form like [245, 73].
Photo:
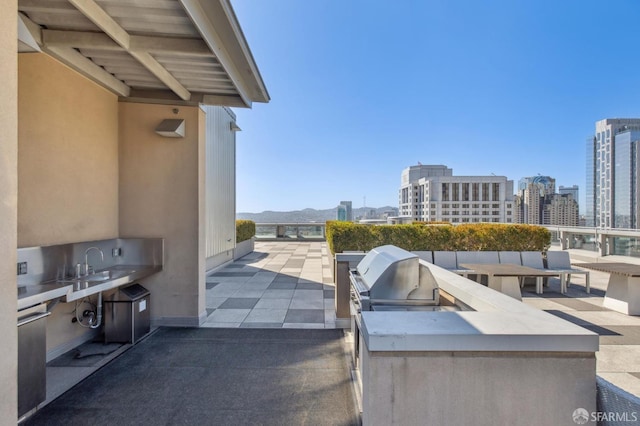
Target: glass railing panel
[625, 246]
[584, 242]
[265, 231]
[290, 231]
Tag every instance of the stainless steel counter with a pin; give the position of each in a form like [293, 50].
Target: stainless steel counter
[117, 261]
[71, 290]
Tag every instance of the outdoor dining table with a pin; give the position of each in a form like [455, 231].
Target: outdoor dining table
[623, 290]
[505, 277]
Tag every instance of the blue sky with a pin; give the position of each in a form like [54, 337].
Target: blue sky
[362, 89]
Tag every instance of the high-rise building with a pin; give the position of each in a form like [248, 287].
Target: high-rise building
[547, 184]
[561, 210]
[533, 194]
[603, 163]
[538, 204]
[345, 211]
[573, 190]
[431, 193]
[625, 185]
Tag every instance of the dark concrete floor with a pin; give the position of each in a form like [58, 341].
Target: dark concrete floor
[209, 376]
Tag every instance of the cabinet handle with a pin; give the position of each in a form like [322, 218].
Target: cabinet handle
[33, 317]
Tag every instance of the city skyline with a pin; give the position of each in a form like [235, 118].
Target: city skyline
[362, 90]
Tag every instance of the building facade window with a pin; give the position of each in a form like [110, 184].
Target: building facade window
[495, 193]
[445, 192]
[475, 192]
[455, 192]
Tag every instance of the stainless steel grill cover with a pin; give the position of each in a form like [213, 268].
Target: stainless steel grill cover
[393, 276]
[389, 278]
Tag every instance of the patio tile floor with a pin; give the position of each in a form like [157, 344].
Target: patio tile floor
[280, 284]
[619, 354]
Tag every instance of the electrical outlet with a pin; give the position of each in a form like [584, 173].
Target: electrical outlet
[116, 252]
[22, 268]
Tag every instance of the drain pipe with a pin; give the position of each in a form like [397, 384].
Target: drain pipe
[99, 313]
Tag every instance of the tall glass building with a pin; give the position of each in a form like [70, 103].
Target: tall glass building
[602, 166]
[345, 211]
[590, 207]
[625, 180]
[571, 190]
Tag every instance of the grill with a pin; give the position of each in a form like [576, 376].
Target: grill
[390, 278]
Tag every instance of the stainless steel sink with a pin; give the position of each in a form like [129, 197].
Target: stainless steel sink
[70, 289]
[101, 281]
[100, 276]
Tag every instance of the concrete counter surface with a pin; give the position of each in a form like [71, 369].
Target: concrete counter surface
[495, 322]
[473, 331]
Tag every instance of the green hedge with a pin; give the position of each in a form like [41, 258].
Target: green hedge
[346, 236]
[245, 229]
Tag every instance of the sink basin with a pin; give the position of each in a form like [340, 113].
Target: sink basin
[98, 276]
[70, 289]
[101, 276]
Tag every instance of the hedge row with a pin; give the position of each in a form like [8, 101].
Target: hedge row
[245, 229]
[346, 236]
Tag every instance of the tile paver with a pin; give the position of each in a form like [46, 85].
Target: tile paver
[273, 304]
[619, 353]
[266, 315]
[280, 284]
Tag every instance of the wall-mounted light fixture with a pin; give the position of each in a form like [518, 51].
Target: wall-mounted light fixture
[171, 128]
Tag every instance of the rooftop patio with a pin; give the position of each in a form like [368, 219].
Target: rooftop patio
[281, 376]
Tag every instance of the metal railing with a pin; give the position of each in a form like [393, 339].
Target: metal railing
[290, 231]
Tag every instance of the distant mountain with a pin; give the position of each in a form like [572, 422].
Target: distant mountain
[306, 215]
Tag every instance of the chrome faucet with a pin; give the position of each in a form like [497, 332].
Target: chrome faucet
[87, 268]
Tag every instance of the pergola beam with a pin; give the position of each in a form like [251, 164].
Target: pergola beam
[106, 23]
[91, 40]
[89, 69]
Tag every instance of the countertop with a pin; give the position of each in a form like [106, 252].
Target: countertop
[75, 289]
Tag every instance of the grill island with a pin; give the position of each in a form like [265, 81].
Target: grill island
[389, 278]
[420, 362]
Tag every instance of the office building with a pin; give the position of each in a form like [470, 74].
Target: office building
[546, 184]
[625, 180]
[603, 163]
[432, 193]
[345, 211]
[561, 210]
[533, 193]
[572, 190]
[538, 204]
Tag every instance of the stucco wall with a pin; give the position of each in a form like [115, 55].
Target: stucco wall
[8, 211]
[162, 195]
[68, 156]
[67, 168]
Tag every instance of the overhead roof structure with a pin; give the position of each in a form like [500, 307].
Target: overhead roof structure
[162, 51]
